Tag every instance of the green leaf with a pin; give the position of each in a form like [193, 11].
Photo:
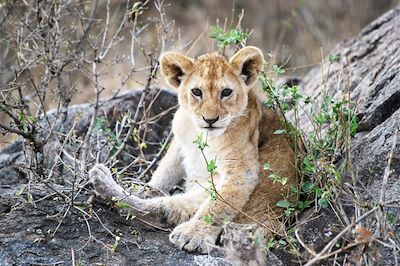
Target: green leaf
[307, 186]
[122, 205]
[30, 198]
[293, 191]
[100, 122]
[319, 192]
[276, 178]
[300, 205]
[282, 242]
[201, 144]
[321, 118]
[278, 69]
[279, 131]
[283, 204]
[307, 100]
[116, 242]
[308, 167]
[353, 126]
[334, 58]
[211, 166]
[208, 219]
[324, 203]
[143, 145]
[213, 195]
[267, 166]
[19, 192]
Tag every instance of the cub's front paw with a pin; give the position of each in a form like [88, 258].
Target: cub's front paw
[177, 215]
[195, 235]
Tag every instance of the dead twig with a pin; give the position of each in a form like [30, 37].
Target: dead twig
[380, 214]
[158, 155]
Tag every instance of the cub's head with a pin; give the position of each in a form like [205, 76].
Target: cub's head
[211, 88]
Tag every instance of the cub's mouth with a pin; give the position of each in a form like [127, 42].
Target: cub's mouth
[212, 128]
[213, 131]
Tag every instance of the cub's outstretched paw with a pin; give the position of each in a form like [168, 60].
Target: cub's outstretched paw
[147, 192]
[195, 236]
[104, 185]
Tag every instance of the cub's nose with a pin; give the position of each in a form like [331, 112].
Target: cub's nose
[211, 121]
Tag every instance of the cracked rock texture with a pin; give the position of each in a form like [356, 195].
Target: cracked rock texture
[369, 71]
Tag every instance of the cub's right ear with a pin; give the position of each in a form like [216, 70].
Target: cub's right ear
[174, 66]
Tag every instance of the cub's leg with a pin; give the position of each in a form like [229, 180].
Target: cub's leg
[170, 209]
[240, 177]
[167, 175]
[170, 171]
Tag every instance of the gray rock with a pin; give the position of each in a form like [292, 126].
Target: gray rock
[368, 71]
[368, 68]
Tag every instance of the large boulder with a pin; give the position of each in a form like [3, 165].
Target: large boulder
[368, 69]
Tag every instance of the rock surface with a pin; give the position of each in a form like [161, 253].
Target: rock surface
[368, 69]
[26, 236]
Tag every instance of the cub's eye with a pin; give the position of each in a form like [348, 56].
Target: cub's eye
[197, 92]
[226, 93]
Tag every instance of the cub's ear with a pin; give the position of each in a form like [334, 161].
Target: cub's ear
[174, 66]
[248, 63]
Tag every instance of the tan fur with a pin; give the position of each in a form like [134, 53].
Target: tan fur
[241, 144]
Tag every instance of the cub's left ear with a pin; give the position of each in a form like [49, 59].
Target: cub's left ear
[174, 66]
[248, 63]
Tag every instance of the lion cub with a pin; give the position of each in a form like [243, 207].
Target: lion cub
[216, 97]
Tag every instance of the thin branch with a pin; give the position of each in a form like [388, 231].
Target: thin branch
[158, 155]
[380, 214]
[331, 243]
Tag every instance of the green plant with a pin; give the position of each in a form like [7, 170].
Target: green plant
[333, 58]
[392, 218]
[100, 125]
[80, 262]
[201, 143]
[333, 124]
[235, 36]
[116, 243]
[275, 178]
[208, 219]
[270, 244]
